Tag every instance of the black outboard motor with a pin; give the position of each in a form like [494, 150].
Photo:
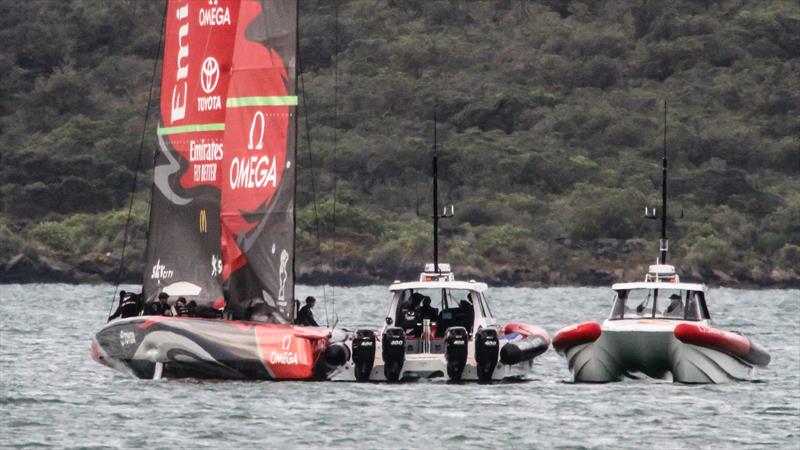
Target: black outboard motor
[456, 340]
[487, 347]
[363, 354]
[393, 350]
[523, 349]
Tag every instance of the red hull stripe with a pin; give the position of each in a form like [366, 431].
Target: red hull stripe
[526, 330]
[576, 335]
[731, 343]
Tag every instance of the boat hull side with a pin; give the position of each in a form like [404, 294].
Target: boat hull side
[655, 354]
[172, 347]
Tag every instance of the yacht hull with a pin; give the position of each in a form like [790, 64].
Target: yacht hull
[655, 352]
[153, 347]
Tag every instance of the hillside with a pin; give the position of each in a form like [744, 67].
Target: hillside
[549, 136]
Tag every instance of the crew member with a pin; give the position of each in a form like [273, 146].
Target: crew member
[306, 316]
[161, 307]
[128, 306]
[180, 308]
[427, 311]
[675, 307]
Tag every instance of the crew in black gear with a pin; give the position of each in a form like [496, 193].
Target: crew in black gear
[161, 307]
[180, 307]
[128, 306]
[426, 311]
[306, 316]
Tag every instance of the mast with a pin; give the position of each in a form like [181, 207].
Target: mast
[444, 214]
[664, 243]
[435, 200]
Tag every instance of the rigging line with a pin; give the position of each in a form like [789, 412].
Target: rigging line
[311, 169]
[335, 147]
[139, 157]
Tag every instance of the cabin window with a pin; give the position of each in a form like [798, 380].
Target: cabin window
[672, 304]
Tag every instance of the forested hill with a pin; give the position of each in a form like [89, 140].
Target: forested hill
[549, 136]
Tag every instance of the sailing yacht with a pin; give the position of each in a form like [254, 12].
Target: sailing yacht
[223, 205]
[658, 328]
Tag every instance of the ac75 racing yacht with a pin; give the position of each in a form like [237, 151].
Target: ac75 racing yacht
[660, 328]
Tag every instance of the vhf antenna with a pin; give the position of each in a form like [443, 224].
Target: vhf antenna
[436, 215]
[663, 243]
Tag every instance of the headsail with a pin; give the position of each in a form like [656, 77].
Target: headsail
[258, 171]
[183, 245]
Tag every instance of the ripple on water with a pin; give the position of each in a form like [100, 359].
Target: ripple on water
[53, 395]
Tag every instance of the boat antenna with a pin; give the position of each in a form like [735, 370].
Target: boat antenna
[436, 214]
[663, 242]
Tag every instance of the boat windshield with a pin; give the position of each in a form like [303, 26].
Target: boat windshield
[447, 307]
[673, 304]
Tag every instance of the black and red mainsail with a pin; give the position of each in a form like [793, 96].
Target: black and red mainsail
[222, 213]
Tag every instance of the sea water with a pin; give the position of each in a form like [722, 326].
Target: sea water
[53, 395]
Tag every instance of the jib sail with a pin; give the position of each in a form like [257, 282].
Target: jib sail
[258, 170]
[183, 250]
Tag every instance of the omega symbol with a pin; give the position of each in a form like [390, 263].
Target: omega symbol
[287, 342]
[210, 75]
[259, 144]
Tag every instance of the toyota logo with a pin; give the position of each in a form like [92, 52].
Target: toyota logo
[210, 75]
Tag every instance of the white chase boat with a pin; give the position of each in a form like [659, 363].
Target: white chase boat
[660, 328]
[458, 338]
[440, 327]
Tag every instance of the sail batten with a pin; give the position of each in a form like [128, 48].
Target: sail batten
[286, 100]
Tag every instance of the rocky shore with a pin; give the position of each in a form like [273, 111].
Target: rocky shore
[610, 261]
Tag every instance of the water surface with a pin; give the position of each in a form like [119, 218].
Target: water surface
[53, 395]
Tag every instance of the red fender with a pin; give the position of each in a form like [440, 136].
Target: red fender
[575, 335]
[732, 343]
[526, 330]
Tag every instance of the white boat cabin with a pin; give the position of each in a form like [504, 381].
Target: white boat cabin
[436, 302]
[660, 296]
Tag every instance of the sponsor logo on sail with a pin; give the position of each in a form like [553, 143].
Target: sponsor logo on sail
[203, 221]
[286, 356]
[178, 104]
[160, 271]
[283, 275]
[202, 151]
[214, 15]
[257, 127]
[254, 171]
[210, 75]
[209, 78]
[216, 266]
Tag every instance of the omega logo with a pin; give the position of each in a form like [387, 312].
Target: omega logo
[259, 144]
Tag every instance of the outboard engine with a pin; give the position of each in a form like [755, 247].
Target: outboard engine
[393, 350]
[363, 354]
[523, 350]
[456, 341]
[487, 347]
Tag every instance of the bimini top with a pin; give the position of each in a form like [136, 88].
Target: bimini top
[444, 278]
[468, 285]
[660, 276]
[658, 285]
